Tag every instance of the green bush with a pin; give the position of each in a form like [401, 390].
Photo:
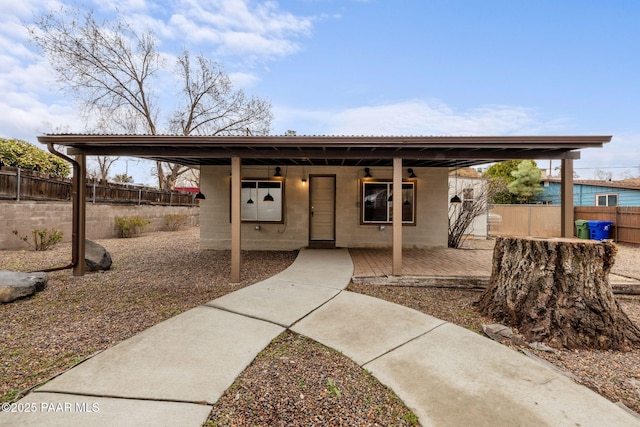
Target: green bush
[42, 239]
[175, 221]
[131, 226]
[21, 154]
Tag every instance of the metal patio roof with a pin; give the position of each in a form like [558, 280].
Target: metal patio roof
[330, 150]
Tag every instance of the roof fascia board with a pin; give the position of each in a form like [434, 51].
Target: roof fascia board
[330, 141]
[301, 153]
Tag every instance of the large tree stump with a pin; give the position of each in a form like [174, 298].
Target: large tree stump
[557, 291]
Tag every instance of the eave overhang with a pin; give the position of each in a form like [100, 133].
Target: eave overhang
[417, 151]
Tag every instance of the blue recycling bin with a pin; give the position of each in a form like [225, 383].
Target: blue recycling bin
[599, 230]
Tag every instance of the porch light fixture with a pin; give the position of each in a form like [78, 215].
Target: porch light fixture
[199, 196]
[367, 173]
[277, 171]
[304, 181]
[250, 201]
[268, 197]
[411, 174]
[455, 200]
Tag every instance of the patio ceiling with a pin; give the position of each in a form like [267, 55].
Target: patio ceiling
[425, 151]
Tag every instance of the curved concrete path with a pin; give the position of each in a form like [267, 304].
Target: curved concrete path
[172, 373]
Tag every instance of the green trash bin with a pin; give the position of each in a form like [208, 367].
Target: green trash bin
[582, 226]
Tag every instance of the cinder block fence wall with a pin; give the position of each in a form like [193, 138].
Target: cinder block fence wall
[28, 215]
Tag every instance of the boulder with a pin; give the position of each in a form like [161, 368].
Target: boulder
[14, 285]
[96, 257]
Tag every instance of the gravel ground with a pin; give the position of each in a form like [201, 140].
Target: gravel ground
[153, 277]
[298, 382]
[294, 381]
[627, 261]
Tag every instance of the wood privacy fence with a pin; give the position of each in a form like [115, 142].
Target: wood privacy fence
[544, 220]
[22, 184]
[524, 220]
[625, 219]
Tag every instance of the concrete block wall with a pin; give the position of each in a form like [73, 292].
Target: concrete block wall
[100, 221]
[215, 227]
[431, 211]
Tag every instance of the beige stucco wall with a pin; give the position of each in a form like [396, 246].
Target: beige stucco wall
[215, 228]
[25, 216]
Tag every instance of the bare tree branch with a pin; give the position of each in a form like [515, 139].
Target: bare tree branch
[111, 69]
[461, 217]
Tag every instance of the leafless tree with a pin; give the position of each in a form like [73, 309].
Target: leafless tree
[112, 71]
[461, 216]
[104, 164]
[191, 178]
[602, 175]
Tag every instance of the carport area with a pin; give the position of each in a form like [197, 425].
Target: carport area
[394, 152]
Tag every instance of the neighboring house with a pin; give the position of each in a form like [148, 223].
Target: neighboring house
[291, 192]
[594, 193]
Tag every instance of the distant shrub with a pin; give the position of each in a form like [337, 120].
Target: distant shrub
[42, 239]
[21, 154]
[175, 221]
[131, 226]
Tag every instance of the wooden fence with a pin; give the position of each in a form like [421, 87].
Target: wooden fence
[524, 220]
[544, 220]
[21, 184]
[625, 219]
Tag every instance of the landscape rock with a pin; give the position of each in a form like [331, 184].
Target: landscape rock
[14, 285]
[96, 257]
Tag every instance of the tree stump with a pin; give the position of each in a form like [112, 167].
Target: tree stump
[557, 291]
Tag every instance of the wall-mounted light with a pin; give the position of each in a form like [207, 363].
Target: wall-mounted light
[277, 171]
[411, 174]
[455, 200]
[250, 201]
[304, 181]
[367, 173]
[268, 197]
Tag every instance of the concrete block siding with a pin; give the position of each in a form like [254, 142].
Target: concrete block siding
[215, 227]
[28, 215]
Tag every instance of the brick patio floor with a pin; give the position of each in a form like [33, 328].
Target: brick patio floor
[439, 262]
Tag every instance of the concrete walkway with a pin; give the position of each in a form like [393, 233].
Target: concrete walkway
[172, 373]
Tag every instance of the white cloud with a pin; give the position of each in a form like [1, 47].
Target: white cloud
[127, 6]
[240, 27]
[415, 117]
[619, 156]
[243, 80]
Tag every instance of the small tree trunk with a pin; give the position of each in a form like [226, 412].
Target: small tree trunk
[557, 291]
